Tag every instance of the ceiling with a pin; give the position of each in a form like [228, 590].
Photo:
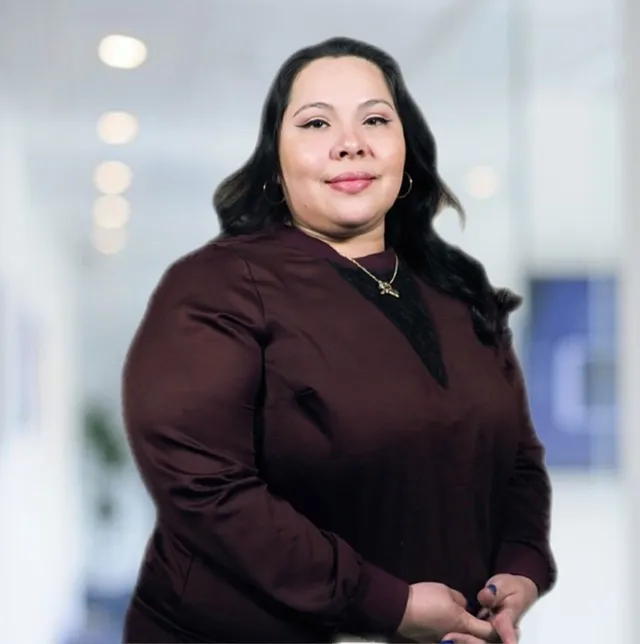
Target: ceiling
[199, 95]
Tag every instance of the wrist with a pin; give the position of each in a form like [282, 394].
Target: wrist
[408, 620]
[379, 604]
[530, 585]
[525, 561]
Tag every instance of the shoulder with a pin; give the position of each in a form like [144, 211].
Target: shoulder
[223, 260]
[209, 266]
[218, 274]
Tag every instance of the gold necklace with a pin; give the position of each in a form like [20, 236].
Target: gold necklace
[385, 287]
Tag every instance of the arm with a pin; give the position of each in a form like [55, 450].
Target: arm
[191, 381]
[525, 548]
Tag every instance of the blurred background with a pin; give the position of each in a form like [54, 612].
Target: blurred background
[117, 121]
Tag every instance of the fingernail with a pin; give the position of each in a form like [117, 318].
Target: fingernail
[493, 589]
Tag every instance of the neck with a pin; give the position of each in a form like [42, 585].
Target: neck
[355, 245]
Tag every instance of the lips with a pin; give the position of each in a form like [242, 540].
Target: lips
[352, 176]
[351, 183]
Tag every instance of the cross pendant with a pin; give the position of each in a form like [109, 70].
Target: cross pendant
[387, 289]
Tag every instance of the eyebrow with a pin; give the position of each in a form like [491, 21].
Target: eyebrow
[325, 106]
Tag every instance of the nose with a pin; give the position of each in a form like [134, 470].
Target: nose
[349, 145]
[351, 149]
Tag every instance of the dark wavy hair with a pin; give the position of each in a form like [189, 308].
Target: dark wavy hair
[242, 208]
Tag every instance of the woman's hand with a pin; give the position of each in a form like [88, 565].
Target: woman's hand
[435, 609]
[504, 600]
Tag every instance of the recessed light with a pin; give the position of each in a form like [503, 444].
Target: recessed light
[117, 128]
[482, 182]
[111, 211]
[109, 241]
[112, 177]
[122, 52]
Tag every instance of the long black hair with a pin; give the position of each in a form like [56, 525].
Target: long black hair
[242, 207]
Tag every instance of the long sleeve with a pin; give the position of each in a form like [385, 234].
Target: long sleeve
[191, 382]
[525, 548]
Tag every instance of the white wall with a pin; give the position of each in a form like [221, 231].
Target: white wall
[40, 538]
[572, 222]
[576, 198]
[591, 541]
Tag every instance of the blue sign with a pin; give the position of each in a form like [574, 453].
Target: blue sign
[570, 365]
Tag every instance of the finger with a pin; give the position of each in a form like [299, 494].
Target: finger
[491, 595]
[505, 627]
[461, 638]
[481, 629]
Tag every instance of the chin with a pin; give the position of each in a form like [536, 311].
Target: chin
[356, 218]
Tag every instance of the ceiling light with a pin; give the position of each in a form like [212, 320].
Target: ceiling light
[482, 182]
[112, 177]
[122, 52]
[109, 242]
[117, 128]
[111, 212]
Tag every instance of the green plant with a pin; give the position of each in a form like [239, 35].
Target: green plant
[107, 448]
[104, 438]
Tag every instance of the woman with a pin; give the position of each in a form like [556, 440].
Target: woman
[324, 403]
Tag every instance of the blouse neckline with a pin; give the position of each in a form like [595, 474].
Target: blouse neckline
[375, 262]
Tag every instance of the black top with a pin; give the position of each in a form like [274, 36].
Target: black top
[314, 446]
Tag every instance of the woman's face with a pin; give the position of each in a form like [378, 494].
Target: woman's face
[342, 149]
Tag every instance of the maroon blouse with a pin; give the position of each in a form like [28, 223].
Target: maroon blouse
[308, 456]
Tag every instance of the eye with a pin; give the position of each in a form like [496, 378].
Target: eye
[315, 124]
[377, 120]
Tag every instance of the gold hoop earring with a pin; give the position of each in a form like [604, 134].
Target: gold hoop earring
[266, 197]
[402, 196]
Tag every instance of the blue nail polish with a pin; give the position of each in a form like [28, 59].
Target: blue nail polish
[493, 589]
